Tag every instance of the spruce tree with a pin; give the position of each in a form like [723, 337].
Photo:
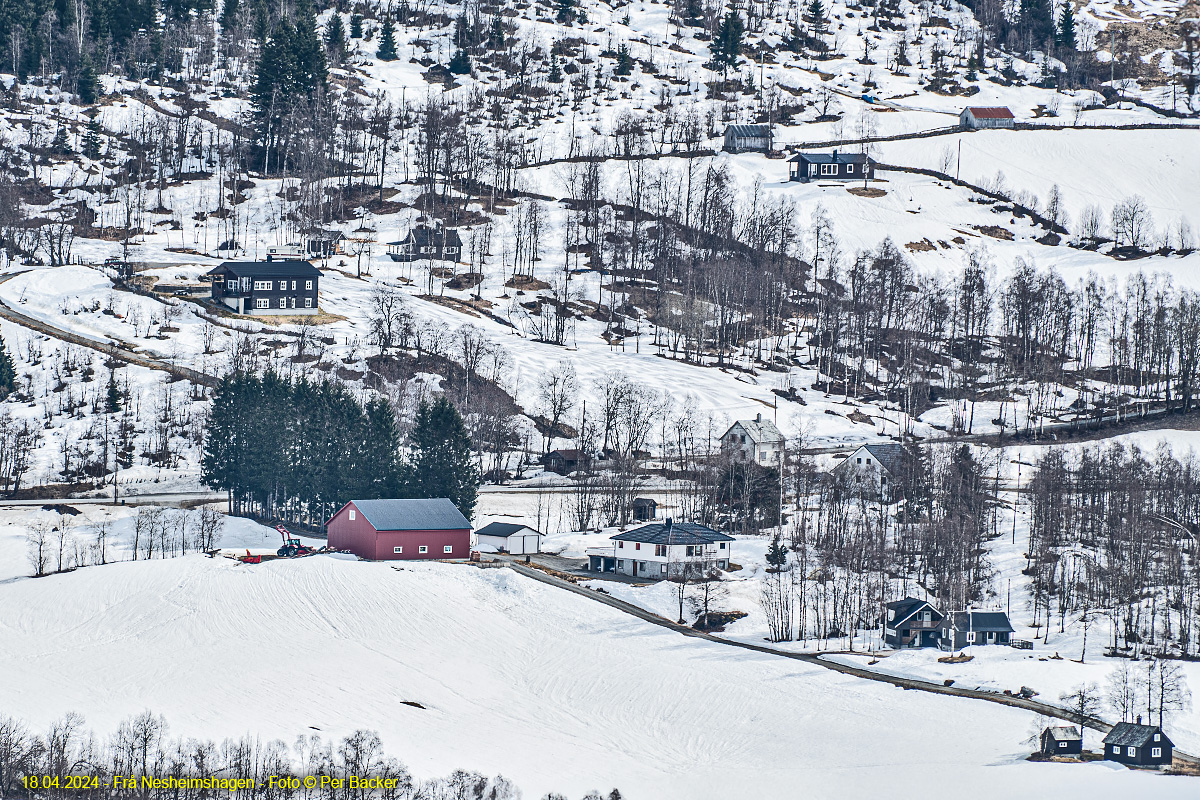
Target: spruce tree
[387, 42]
[776, 553]
[312, 70]
[460, 64]
[8, 375]
[624, 61]
[441, 464]
[727, 45]
[229, 12]
[1065, 38]
[112, 394]
[496, 35]
[335, 38]
[566, 11]
[816, 13]
[91, 140]
[356, 21]
[88, 86]
[555, 75]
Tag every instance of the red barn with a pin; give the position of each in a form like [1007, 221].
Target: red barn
[401, 529]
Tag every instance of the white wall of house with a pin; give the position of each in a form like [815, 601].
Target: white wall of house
[861, 465]
[739, 440]
[659, 559]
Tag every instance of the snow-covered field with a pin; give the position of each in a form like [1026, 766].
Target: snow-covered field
[518, 678]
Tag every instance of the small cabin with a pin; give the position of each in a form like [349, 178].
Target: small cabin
[1138, 745]
[563, 461]
[742, 138]
[508, 537]
[423, 242]
[644, 509]
[975, 118]
[1061, 740]
[324, 244]
[835, 166]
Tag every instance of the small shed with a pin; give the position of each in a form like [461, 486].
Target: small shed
[739, 138]
[401, 529]
[1062, 740]
[508, 537]
[1137, 744]
[977, 117]
[644, 509]
[563, 461]
[805, 167]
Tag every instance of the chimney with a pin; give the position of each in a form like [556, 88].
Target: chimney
[835, 156]
[1139, 719]
[758, 417]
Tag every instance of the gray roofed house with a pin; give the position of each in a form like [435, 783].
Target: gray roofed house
[509, 537]
[911, 623]
[663, 550]
[964, 628]
[1061, 740]
[739, 138]
[807, 167]
[880, 467]
[756, 440]
[426, 242]
[432, 514]
[1141, 745]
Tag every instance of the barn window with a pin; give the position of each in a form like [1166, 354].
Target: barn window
[352, 515]
[1156, 752]
[422, 549]
[448, 548]
[397, 550]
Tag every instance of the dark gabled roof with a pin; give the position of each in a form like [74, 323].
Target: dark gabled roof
[673, 533]
[891, 456]
[268, 269]
[639, 502]
[568, 455]
[431, 514]
[982, 621]
[501, 529]
[1063, 733]
[748, 131]
[1129, 734]
[830, 158]
[989, 112]
[907, 607]
[423, 235]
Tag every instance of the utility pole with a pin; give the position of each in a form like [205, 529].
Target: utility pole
[958, 161]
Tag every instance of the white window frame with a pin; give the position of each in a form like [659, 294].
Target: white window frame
[293, 305]
[283, 302]
[849, 169]
[1157, 737]
[1156, 752]
[1062, 744]
[970, 637]
[722, 545]
[449, 548]
[423, 549]
[812, 170]
[828, 169]
[308, 302]
[352, 515]
[662, 569]
[262, 302]
[308, 286]
[1131, 751]
[293, 286]
[397, 550]
[262, 286]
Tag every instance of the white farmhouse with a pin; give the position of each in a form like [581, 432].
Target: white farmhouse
[756, 440]
[879, 468]
[662, 550]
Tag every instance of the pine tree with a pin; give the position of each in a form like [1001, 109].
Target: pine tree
[312, 73]
[8, 375]
[112, 394]
[335, 38]
[1065, 38]
[555, 75]
[91, 140]
[62, 142]
[496, 37]
[727, 45]
[816, 13]
[387, 42]
[441, 464]
[88, 86]
[460, 64]
[624, 61]
[566, 11]
[356, 21]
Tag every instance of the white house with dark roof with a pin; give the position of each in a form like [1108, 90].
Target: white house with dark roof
[756, 440]
[508, 537]
[662, 550]
[880, 467]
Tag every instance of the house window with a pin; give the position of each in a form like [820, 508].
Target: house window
[450, 251]
[262, 286]
[1062, 744]
[722, 545]
[637, 546]
[397, 550]
[662, 569]
[352, 515]
[660, 549]
[849, 169]
[722, 564]
[620, 563]
[1131, 751]
[829, 169]
[293, 302]
[1116, 750]
[262, 302]
[858, 460]
[308, 286]
[971, 636]
[620, 544]
[283, 302]
[448, 548]
[423, 549]
[1156, 752]
[1157, 737]
[812, 169]
[308, 302]
[293, 285]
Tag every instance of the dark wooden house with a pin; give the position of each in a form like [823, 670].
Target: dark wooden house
[1061, 740]
[644, 509]
[911, 623]
[563, 461]
[267, 287]
[740, 138]
[423, 242]
[965, 628]
[1137, 744]
[324, 244]
[835, 166]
